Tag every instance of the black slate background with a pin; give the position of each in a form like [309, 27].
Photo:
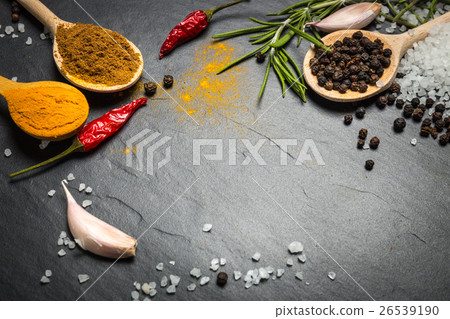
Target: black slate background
[384, 233]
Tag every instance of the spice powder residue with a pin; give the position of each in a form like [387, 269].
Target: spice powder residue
[96, 55]
[206, 96]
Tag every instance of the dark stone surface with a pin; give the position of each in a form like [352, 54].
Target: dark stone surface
[385, 233]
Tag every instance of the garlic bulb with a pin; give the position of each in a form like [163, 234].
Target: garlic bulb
[355, 16]
[96, 236]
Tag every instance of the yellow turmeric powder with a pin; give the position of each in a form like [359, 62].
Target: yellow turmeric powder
[48, 110]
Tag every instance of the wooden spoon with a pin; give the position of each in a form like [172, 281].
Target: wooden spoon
[37, 122]
[52, 22]
[399, 44]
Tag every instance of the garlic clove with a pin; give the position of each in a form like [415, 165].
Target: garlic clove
[96, 236]
[355, 16]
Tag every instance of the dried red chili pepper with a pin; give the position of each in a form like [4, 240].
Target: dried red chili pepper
[190, 27]
[95, 132]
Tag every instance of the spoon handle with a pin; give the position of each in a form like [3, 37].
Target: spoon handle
[42, 13]
[420, 33]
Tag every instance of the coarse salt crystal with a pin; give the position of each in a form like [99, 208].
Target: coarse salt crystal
[302, 259]
[29, 41]
[152, 285]
[14, 78]
[83, 278]
[331, 275]
[43, 144]
[145, 288]
[295, 247]
[196, 272]
[70, 177]
[86, 203]
[214, 267]
[174, 280]
[414, 142]
[45, 280]
[289, 262]
[207, 227]
[48, 273]
[172, 262]
[60, 242]
[51, 193]
[9, 29]
[153, 292]
[256, 256]
[379, 83]
[137, 286]
[8, 152]
[61, 253]
[21, 27]
[71, 245]
[135, 295]
[171, 289]
[88, 190]
[14, 36]
[248, 284]
[223, 261]
[42, 36]
[160, 266]
[280, 272]
[204, 280]
[63, 234]
[81, 187]
[66, 241]
[191, 287]
[164, 281]
[299, 275]
[237, 275]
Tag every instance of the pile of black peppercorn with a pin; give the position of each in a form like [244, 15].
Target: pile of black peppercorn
[15, 11]
[352, 64]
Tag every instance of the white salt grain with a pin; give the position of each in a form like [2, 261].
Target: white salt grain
[302, 259]
[8, 152]
[147, 299]
[299, 275]
[43, 144]
[223, 261]
[153, 292]
[191, 287]
[48, 273]
[60, 242]
[289, 262]
[215, 261]
[164, 281]
[9, 29]
[280, 272]
[204, 280]
[83, 278]
[214, 267]
[45, 280]
[207, 227]
[51, 193]
[174, 280]
[160, 266]
[14, 78]
[196, 272]
[88, 190]
[237, 275]
[70, 177]
[81, 187]
[66, 241]
[256, 256]
[366, 147]
[42, 36]
[379, 83]
[295, 247]
[137, 286]
[21, 27]
[72, 245]
[29, 41]
[63, 234]
[269, 270]
[152, 285]
[263, 274]
[331, 275]
[172, 263]
[86, 203]
[414, 142]
[248, 284]
[171, 289]
[135, 295]
[2, 35]
[14, 36]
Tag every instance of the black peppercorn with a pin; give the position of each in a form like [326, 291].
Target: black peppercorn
[429, 103]
[433, 132]
[354, 86]
[315, 69]
[343, 88]
[399, 103]
[348, 118]
[150, 88]
[444, 139]
[391, 99]
[222, 278]
[260, 58]
[439, 125]
[168, 81]
[322, 80]
[417, 115]
[425, 131]
[374, 142]
[422, 107]
[387, 52]
[369, 165]
[436, 116]
[346, 41]
[426, 122]
[15, 17]
[400, 75]
[313, 62]
[353, 78]
[353, 69]
[357, 35]
[338, 76]
[329, 85]
[362, 133]
[439, 108]
[447, 121]
[415, 102]
[360, 112]
[363, 87]
[373, 79]
[336, 86]
[380, 72]
[399, 124]
[360, 144]
[408, 110]
[395, 88]
[375, 64]
[381, 101]
[324, 61]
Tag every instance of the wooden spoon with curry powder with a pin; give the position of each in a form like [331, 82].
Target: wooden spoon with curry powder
[98, 71]
[46, 110]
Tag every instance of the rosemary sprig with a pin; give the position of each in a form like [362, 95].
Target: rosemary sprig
[275, 35]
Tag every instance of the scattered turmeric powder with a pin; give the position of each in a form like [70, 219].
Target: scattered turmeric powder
[210, 97]
[48, 110]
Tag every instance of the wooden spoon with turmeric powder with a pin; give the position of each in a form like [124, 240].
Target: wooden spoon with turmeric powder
[90, 57]
[46, 110]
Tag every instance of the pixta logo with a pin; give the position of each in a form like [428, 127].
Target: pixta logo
[144, 145]
[306, 154]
